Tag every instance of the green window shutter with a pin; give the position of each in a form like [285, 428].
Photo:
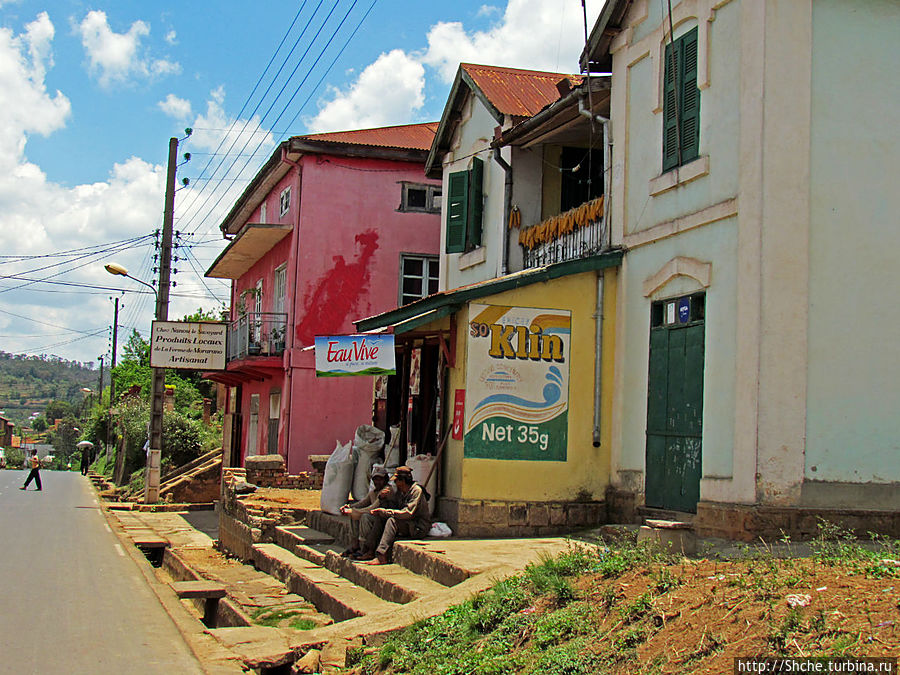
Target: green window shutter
[672, 67]
[680, 89]
[689, 99]
[457, 211]
[476, 202]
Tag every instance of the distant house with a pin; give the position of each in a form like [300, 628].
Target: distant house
[515, 385]
[756, 363]
[334, 226]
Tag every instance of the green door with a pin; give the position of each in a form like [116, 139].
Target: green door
[675, 404]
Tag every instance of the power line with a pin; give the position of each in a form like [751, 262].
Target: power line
[297, 89]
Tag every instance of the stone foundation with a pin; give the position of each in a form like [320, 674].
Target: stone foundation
[269, 471]
[751, 522]
[493, 518]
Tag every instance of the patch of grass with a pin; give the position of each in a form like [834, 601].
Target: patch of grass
[640, 607]
[560, 625]
[836, 546]
[572, 658]
[615, 561]
[273, 618]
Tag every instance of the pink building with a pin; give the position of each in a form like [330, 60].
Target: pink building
[335, 226]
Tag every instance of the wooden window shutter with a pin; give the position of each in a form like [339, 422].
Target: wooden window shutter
[670, 119]
[690, 99]
[476, 202]
[457, 211]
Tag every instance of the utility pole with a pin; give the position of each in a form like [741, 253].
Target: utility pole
[119, 468]
[100, 386]
[151, 475]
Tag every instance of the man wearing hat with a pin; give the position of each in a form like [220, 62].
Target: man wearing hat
[364, 540]
[410, 519]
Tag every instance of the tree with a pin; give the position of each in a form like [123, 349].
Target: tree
[39, 424]
[218, 314]
[57, 410]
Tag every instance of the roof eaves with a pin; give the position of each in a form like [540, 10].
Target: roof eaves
[547, 113]
[462, 295]
[245, 201]
[306, 146]
[608, 24]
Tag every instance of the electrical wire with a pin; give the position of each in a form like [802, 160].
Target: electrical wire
[292, 97]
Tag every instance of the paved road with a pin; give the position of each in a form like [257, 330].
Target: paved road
[71, 601]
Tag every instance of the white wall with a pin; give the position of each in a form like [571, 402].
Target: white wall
[853, 414]
[473, 136]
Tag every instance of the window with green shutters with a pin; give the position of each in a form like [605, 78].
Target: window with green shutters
[465, 206]
[681, 102]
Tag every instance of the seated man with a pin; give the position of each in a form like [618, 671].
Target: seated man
[379, 496]
[411, 519]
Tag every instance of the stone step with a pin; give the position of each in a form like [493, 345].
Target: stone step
[393, 583]
[332, 594]
[423, 562]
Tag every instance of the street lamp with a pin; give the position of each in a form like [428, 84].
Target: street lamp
[120, 271]
[154, 453]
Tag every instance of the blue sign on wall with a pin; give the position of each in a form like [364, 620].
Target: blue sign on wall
[684, 310]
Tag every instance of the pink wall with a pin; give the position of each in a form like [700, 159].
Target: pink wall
[350, 239]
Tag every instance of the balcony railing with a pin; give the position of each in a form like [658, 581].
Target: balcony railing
[257, 334]
[577, 233]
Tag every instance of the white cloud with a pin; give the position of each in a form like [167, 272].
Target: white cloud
[173, 106]
[533, 34]
[172, 37]
[117, 57]
[40, 217]
[389, 91]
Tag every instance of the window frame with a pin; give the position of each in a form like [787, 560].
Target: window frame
[284, 201]
[465, 208]
[279, 290]
[681, 100]
[432, 191]
[428, 260]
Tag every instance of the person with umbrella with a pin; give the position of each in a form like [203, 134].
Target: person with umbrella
[85, 447]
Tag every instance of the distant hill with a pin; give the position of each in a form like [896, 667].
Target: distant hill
[29, 383]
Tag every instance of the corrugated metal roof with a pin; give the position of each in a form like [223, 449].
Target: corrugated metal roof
[517, 92]
[411, 136]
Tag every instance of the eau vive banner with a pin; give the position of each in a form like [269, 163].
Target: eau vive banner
[342, 355]
[517, 383]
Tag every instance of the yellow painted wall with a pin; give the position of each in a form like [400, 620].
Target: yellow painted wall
[585, 473]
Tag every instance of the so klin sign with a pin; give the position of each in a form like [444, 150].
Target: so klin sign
[517, 383]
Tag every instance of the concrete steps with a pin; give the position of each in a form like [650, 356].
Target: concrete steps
[331, 593]
[393, 583]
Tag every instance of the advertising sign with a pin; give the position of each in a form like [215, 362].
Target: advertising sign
[190, 345]
[517, 377]
[342, 355]
[459, 409]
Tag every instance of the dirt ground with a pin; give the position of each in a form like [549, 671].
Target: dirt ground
[697, 617]
[285, 498]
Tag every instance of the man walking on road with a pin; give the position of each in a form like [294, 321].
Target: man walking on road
[35, 472]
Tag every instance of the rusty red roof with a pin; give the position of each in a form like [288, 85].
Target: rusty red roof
[412, 136]
[511, 91]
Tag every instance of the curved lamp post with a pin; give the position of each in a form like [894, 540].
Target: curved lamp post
[120, 271]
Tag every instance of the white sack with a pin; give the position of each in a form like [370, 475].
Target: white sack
[337, 479]
[421, 465]
[367, 445]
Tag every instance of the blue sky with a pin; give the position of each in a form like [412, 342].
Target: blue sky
[90, 93]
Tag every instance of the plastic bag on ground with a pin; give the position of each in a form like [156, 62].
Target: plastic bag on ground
[367, 445]
[337, 479]
[440, 530]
